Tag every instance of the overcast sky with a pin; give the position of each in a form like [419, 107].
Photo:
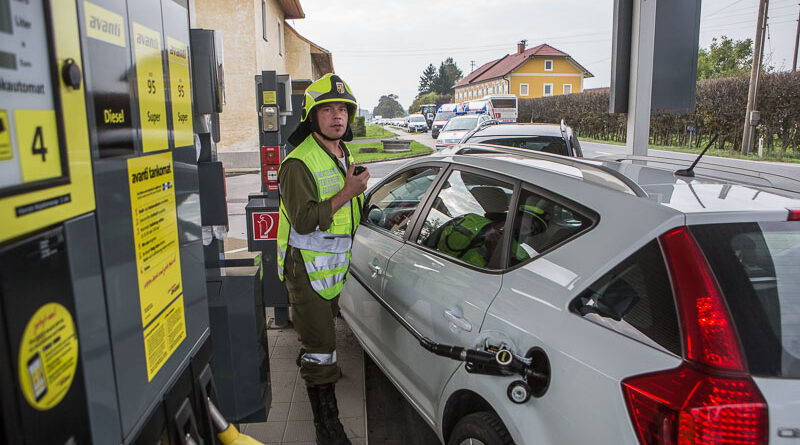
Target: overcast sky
[382, 46]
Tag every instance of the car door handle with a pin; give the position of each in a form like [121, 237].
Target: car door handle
[376, 270]
[453, 317]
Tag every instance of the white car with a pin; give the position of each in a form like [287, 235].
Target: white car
[519, 297]
[417, 123]
[458, 126]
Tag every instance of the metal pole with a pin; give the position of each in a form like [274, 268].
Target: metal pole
[796, 42]
[749, 127]
[640, 88]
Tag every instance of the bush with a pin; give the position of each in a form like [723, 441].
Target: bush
[360, 127]
[719, 110]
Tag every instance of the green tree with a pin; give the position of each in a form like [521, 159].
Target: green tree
[388, 107]
[725, 58]
[426, 80]
[447, 75]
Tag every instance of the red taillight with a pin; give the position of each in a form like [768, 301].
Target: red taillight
[685, 406]
[710, 398]
[794, 215]
[708, 335]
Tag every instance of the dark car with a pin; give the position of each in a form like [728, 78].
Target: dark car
[549, 138]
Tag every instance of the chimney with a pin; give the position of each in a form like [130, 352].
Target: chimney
[521, 46]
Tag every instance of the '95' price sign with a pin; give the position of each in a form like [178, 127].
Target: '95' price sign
[150, 83]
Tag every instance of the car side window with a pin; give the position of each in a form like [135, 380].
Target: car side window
[635, 299]
[467, 219]
[541, 223]
[392, 205]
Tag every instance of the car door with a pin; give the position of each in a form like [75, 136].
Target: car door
[389, 209]
[442, 286]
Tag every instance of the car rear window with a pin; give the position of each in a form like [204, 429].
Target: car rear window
[547, 144]
[504, 103]
[757, 266]
[444, 115]
[457, 124]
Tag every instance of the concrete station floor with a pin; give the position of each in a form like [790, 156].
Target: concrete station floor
[392, 420]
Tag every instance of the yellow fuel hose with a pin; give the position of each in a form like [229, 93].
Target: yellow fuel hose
[228, 434]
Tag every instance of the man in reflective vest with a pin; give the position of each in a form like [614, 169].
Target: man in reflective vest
[320, 209]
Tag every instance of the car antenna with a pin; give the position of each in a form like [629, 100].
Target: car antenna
[689, 172]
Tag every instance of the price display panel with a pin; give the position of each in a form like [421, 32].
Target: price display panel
[32, 145]
[45, 156]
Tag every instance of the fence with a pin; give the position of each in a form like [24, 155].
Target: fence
[720, 110]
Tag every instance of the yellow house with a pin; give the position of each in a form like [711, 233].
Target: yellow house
[535, 72]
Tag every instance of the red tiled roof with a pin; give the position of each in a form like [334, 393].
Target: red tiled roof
[508, 63]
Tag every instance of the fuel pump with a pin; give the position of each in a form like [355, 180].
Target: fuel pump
[274, 106]
[104, 314]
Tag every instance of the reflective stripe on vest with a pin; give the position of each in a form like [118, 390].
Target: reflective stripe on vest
[326, 254]
[319, 358]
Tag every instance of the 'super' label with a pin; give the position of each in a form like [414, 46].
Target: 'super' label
[37, 140]
[48, 356]
[104, 25]
[150, 85]
[180, 92]
[163, 337]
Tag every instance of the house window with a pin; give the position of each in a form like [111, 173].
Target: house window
[548, 65]
[280, 39]
[523, 89]
[547, 90]
[264, 20]
[567, 88]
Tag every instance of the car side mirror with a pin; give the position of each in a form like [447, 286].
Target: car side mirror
[615, 301]
[375, 216]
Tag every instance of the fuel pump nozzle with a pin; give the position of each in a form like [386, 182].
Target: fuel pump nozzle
[228, 434]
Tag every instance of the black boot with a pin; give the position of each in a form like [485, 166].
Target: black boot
[326, 415]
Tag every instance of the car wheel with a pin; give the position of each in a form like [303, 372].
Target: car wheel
[481, 428]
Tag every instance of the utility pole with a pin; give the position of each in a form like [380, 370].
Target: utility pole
[751, 116]
[471, 66]
[796, 41]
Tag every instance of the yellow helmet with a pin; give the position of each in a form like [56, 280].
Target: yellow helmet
[329, 88]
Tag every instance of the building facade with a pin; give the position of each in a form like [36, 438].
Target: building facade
[529, 73]
[255, 37]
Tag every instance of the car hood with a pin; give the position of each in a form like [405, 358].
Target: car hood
[453, 134]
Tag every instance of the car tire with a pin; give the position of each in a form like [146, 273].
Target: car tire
[481, 427]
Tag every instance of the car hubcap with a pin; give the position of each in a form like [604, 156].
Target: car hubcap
[471, 441]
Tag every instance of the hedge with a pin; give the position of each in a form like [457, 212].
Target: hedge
[719, 110]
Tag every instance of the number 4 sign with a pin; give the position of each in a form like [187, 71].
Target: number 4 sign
[265, 226]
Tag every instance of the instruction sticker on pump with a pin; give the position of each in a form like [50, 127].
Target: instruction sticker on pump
[150, 86]
[158, 263]
[180, 92]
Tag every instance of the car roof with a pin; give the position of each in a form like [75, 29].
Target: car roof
[519, 130]
[698, 195]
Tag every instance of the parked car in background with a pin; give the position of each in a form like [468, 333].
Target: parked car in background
[443, 114]
[458, 126]
[510, 293]
[428, 110]
[417, 123]
[479, 107]
[505, 107]
[549, 138]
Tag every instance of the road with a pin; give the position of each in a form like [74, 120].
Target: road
[594, 150]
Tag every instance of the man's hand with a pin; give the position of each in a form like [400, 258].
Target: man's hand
[354, 185]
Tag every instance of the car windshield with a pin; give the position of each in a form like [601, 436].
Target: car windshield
[461, 123]
[416, 119]
[547, 144]
[757, 266]
[444, 115]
